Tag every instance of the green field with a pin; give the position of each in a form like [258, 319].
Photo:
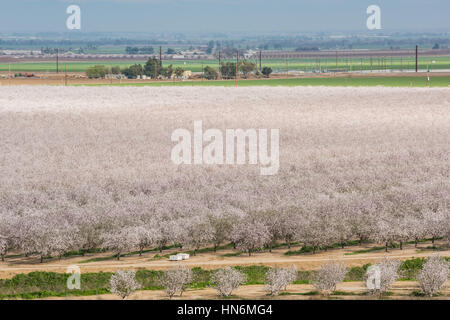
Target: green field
[351, 82]
[278, 65]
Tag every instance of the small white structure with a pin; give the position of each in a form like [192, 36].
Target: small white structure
[179, 257]
[184, 256]
[176, 258]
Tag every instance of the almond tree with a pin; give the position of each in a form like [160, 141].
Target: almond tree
[144, 237]
[328, 276]
[278, 279]
[167, 231]
[384, 231]
[221, 224]
[7, 232]
[433, 275]
[250, 235]
[417, 227]
[312, 231]
[198, 232]
[226, 280]
[176, 280]
[119, 241]
[387, 270]
[289, 225]
[124, 283]
[435, 224]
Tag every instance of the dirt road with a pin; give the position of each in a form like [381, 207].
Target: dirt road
[214, 260]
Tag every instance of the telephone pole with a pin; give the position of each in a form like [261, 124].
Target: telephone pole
[417, 58]
[237, 62]
[260, 60]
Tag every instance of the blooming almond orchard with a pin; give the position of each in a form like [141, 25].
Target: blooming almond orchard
[89, 168]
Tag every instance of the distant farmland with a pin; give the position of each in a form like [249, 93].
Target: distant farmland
[333, 82]
[278, 65]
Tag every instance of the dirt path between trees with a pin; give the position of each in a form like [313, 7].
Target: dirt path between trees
[352, 290]
[214, 260]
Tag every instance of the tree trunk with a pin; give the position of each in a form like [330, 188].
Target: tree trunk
[432, 241]
[386, 249]
[342, 245]
[360, 241]
[140, 252]
[160, 249]
[215, 248]
[270, 247]
[118, 256]
[289, 244]
[401, 245]
[42, 258]
[249, 253]
[415, 242]
[3, 258]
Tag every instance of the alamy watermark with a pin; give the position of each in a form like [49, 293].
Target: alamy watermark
[73, 22]
[374, 20]
[373, 281]
[74, 280]
[227, 148]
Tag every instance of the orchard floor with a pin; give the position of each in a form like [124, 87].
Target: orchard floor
[346, 290]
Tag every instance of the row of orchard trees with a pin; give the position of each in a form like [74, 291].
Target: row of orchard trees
[120, 230]
[379, 278]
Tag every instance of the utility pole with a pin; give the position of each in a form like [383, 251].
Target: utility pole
[220, 73]
[57, 60]
[237, 62]
[260, 60]
[417, 58]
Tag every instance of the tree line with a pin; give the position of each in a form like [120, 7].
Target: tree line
[154, 69]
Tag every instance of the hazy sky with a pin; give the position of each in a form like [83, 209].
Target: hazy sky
[223, 15]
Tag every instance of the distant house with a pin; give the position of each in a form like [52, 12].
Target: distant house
[249, 54]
